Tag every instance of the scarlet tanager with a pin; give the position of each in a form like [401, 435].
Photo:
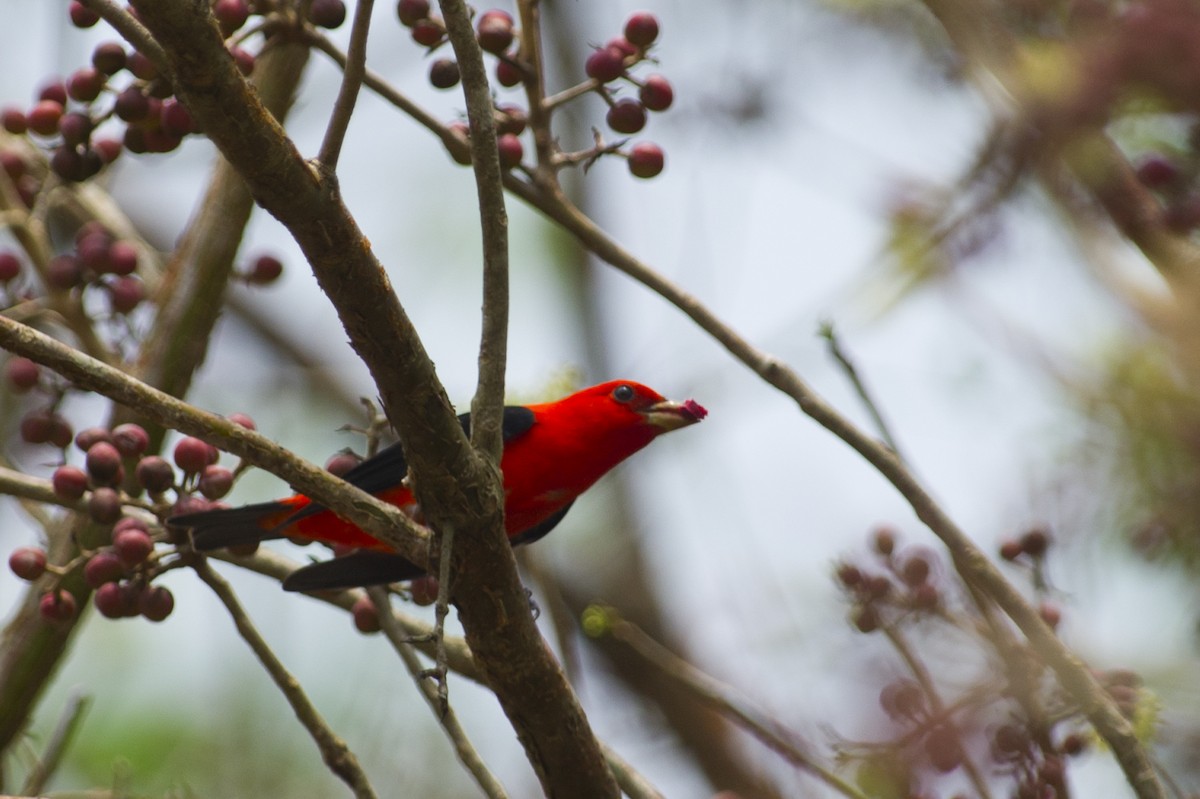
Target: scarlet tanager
[553, 452]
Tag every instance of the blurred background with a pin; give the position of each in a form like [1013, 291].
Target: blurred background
[1020, 371]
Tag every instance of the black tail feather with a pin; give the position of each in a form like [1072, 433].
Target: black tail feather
[362, 568]
[213, 529]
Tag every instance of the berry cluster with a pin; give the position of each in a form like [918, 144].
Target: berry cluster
[497, 35]
[1008, 713]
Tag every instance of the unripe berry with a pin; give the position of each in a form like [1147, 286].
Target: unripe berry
[915, 570]
[131, 440]
[28, 563]
[366, 616]
[103, 568]
[866, 619]
[156, 602]
[646, 160]
[656, 93]
[327, 13]
[70, 482]
[411, 12]
[58, 606]
[104, 505]
[192, 455]
[495, 31]
[605, 65]
[132, 546]
[444, 74]
[884, 540]
[103, 463]
[626, 116]
[22, 374]
[641, 29]
[155, 474]
[849, 575]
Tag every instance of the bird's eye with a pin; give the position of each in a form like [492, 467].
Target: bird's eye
[623, 393]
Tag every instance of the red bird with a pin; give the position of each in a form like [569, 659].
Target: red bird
[553, 452]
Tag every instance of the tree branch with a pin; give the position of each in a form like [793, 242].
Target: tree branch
[352, 76]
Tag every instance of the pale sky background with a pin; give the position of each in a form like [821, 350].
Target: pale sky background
[776, 225]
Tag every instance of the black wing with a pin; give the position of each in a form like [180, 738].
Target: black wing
[540, 530]
[226, 527]
[361, 568]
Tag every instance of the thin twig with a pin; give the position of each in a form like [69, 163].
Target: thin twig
[828, 333]
[60, 739]
[352, 78]
[633, 784]
[440, 611]
[723, 698]
[334, 751]
[129, 27]
[382, 520]
[444, 713]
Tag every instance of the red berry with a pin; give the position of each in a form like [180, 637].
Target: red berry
[424, 590]
[656, 93]
[36, 427]
[428, 32]
[244, 60]
[626, 116]
[444, 74]
[622, 46]
[327, 13]
[81, 15]
[606, 64]
[641, 29]
[412, 11]
[140, 65]
[131, 440]
[265, 269]
[1035, 542]
[849, 575]
[1010, 549]
[55, 91]
[1156, 172]
[215, 482]
[132, 546]
[57, 606]
[43, 117]
[155, 474]
[1051, 614]
[511, 150]
[109, 58]
[104, 505]
[70, 482]
[495, 31]
[902, 699]
[91, 436]
[646, 160]
[109, 599]
[883, 540]
[915, 570]
[103, 462]
[342, 462]
[103, 568]
[242, 420]
[192, 455]
[75, 128]
[126, 293]
[85, 84]
[508, 73]
[366, 616]
[132, 105]
[866, 619]
[943, 748]
[460, 130]
[511, 119]
[122, 258]
[15, 121]
[156, 602]
[22, 374]
[28, 563]
[10, 266]
[231, 14]
[175, 118]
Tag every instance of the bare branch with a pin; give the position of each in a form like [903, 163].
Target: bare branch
[336, 754]
[352, 77]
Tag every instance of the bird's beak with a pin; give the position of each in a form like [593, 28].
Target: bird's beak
[667, 415]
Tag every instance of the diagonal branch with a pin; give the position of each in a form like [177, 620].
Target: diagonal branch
[352, 77]
[336, 754]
